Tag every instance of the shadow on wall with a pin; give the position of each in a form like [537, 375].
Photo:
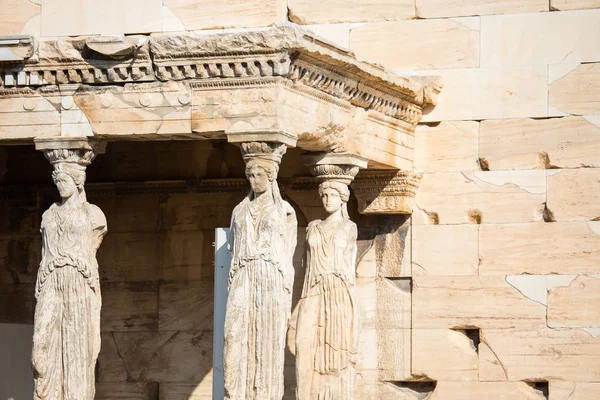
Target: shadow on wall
[16, 377]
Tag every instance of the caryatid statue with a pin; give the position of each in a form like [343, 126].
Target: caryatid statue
[66, 339]
[262, 240]
[328, 325]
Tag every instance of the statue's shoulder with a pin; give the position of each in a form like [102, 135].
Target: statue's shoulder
[352, 228]
[239, 207]
[96, 215]
[287, 207]
[314, 223]
[49, 211]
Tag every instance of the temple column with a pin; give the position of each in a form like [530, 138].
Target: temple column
[262, 241]
[328, 325]
[66, 339]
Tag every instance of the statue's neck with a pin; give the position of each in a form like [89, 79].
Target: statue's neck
[72, 201]
[262, 198]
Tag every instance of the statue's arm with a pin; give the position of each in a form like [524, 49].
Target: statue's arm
[351, 251]
[99, 223]
[291, 230]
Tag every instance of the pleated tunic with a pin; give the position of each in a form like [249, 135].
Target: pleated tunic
[67, 315]
[328, 317]
[259, 302]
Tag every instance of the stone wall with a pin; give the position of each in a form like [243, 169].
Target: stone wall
[501, 298]
[505, 233]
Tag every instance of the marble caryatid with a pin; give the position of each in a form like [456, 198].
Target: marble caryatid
[328, 312]
[66, 339]
[262, 240]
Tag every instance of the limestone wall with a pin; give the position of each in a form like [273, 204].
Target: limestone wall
[505, 234]
[501, 297]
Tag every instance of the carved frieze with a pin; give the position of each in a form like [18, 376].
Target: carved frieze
[386, 192]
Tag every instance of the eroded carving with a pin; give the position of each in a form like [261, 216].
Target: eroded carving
[331, 139]
[386, 192]
[66, 339]
[328, 324]
[262, 240]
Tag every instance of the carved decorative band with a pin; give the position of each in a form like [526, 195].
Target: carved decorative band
[382, 192]
[223, 67]
[79, 73]
[354, 91]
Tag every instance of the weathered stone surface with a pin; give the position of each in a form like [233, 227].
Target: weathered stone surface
[510, 92]
[131, 213]
[33, 116]
[188, 212]
[480, 197]
[444, 355]
[16, 47]
[482, 390]
[319, 12]
[70, 18]
[457, 8]
[449, 146]
[19, 258]
[570, 354]
[129, 306]
[570, 142]
[540, 248]
[126, 391]
[111, 367]
[484, 302]
[17, 312]
[576, 305]
[574, 90]
[430, 44]
[130, 256]
[574, 5]
[187, 391]
[573, 194]
[188, 255]
[163, 356]
[393, 304]
[144, 110]
[14, 14]
[568, 390]
[385, 335]
[391, 255]
[338, 34]
[191, 14]
[542, 38]
[490, 368]
[445, 250]
[186, 306]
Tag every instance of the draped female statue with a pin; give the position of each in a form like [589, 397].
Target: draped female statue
[67, 314]
[262, 240]
[328, 313]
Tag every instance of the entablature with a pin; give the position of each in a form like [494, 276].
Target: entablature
[280, 84]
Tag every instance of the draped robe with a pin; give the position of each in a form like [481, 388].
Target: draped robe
[67, 314]
[263, 238]
[328, 317]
